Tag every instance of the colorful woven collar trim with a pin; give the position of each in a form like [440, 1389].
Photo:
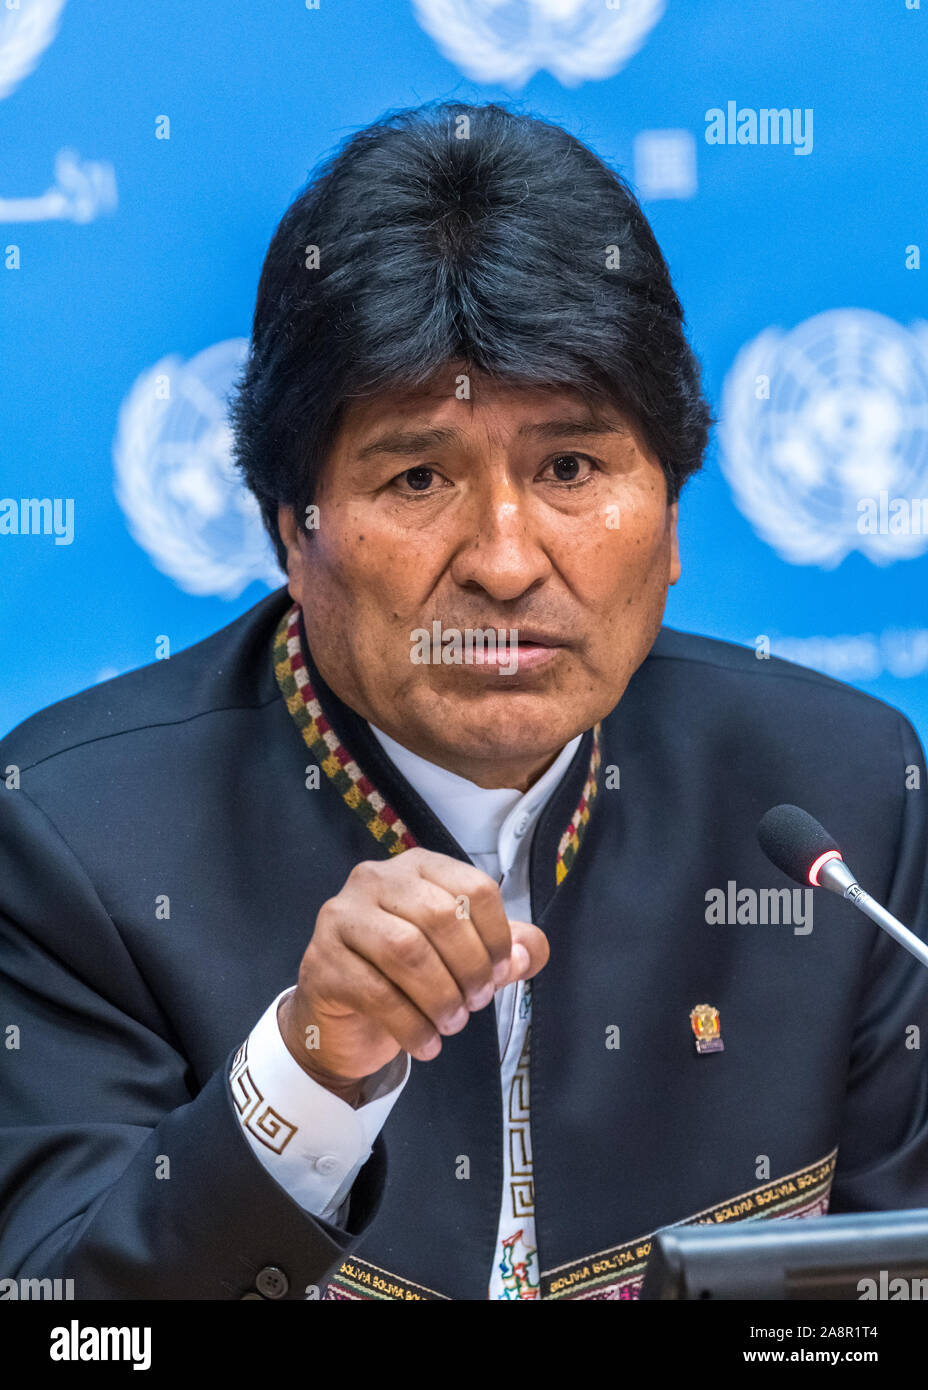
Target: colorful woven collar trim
[320, 738]
[356, 789]
[570, 840]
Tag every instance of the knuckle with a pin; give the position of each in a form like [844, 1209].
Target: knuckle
[327, 929]
[365, 873]
[379, 993]
[443, 919]
[462, 907]
[482, 890]
[408, 948]
[327, 914]
[409, 862]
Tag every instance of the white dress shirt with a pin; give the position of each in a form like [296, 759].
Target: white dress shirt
[312, 1142]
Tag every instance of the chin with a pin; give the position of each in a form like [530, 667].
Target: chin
[514, 724]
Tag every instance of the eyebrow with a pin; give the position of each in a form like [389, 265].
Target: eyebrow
[412, 442]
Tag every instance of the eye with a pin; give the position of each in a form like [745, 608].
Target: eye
[568, 469]
[419, 479]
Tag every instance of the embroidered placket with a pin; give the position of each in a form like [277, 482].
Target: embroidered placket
[516, 1256]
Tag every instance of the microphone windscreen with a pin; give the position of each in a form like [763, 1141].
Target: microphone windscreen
[793, 840]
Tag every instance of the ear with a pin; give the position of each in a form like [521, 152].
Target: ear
[674, 546]
[289, 534]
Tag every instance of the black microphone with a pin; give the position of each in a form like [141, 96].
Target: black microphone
[796, 843]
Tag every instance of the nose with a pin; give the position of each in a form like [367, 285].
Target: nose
[503, 555]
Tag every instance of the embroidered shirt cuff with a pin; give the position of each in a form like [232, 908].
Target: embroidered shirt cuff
[308, 1139]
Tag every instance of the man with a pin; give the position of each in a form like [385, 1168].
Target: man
[257, 900]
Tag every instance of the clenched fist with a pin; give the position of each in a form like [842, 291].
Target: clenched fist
[403, 954]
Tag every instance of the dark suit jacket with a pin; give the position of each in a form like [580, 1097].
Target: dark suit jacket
[188, 779]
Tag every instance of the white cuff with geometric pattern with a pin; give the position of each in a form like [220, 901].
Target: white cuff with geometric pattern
[310, 1141]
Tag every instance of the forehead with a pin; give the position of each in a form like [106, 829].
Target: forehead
[468, 398]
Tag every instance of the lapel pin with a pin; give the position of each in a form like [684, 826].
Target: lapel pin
[707, 1029]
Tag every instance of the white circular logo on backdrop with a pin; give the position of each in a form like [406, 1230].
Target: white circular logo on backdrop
[185, 503]
[25, 33]
[825, 424]
[508, 41]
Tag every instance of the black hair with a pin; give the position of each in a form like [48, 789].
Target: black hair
[446, 233]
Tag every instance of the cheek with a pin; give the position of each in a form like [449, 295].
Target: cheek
[396, 562]
[364, 578]
[624, 566]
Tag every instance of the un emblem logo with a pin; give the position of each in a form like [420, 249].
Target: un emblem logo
[572, 39]
[26, 30]
[175, 481]
[824, 438]
[82, 187]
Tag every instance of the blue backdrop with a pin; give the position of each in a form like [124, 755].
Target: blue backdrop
[148, 152]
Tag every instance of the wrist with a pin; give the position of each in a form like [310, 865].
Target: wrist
[347, 1088]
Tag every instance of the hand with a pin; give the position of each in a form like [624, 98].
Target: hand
[404, 954]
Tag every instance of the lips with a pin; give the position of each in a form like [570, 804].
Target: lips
[488, 647]
[532, 637]
[524, 656]
[525, 636]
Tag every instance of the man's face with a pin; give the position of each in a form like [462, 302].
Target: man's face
[515, 509]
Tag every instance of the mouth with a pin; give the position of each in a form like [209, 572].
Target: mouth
[523, 656]
[518, 649]
[488, 651]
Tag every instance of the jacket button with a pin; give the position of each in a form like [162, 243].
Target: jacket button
[272, 1282]
[251, 1295]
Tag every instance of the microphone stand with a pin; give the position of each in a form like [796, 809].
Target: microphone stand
[837, 878]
